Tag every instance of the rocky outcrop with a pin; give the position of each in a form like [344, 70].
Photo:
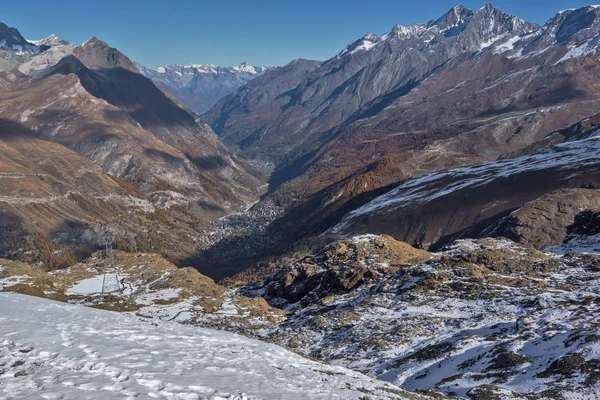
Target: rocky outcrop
[481, 319]
[546, 221]
[586, 223]
[583, 235]
[336, 269]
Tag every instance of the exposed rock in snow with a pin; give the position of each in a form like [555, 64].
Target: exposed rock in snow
[482, 317]
[11, 40]
[583, 235]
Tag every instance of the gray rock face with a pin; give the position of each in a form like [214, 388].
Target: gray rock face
[96, 54]
[14, 49]
[11, 39]
[372, 67]
[245, 116]
[199, 87]
[577, 28]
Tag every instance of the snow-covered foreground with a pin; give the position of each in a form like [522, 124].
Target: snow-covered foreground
[54, 350]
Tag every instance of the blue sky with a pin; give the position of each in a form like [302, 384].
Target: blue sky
[267, 32]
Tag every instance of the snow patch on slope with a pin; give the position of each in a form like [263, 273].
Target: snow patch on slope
[429, 187]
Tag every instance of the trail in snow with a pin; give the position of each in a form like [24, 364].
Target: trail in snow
[54, 350]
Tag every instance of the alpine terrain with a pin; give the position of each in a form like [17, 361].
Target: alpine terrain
[416, 217]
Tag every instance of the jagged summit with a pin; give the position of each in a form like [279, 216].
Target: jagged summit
[402, 32]
[456, 17]
[576, 29]
[489, 6]
[244, 67]
[459, 27]
[249, 68]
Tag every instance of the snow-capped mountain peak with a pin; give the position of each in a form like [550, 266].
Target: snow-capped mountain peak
[403, 32]
[51, 41]
[459, 29]
[571, 26]
[368, 41]
[248, 68]
[456, 17]
[243, 68]
[371, 37]
[203, 69]
[576, 29]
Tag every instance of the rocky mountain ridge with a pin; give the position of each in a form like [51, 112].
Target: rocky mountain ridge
[12, 40]
[443, 199]
[149, 156]
[322, 100]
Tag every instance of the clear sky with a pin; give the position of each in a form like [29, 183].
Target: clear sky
[227, 32]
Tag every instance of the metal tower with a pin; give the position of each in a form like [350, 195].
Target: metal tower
[110, 280]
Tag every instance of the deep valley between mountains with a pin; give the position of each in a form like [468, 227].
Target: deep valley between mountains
[417, 217]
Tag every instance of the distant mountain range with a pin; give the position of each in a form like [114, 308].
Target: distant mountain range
[200, 86]
[467, 88]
